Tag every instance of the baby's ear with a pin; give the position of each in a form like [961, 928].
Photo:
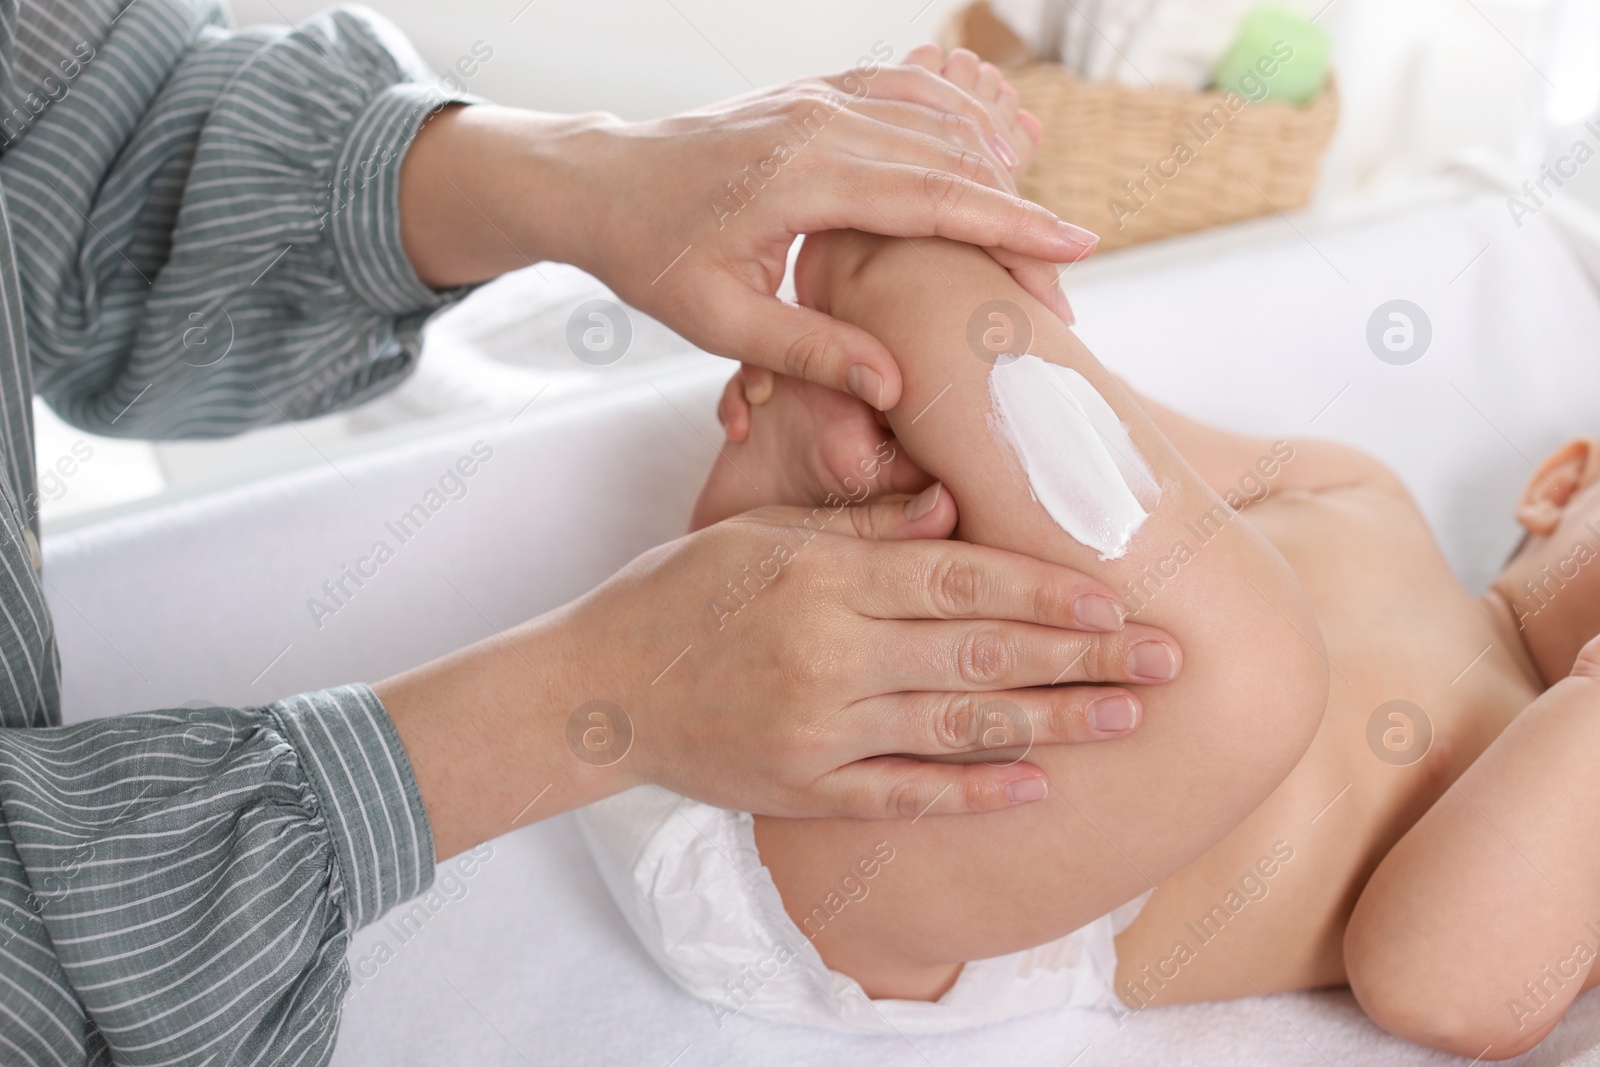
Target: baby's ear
[1570, 468]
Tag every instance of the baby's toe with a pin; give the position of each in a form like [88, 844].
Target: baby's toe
[987, 87]
[1031, 125]
[1005, 103]
[1007, 111]
[927, 56]
[961, 68]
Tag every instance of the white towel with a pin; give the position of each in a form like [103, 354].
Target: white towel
[1138, 42]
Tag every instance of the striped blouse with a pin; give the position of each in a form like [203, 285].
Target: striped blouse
[181, 886]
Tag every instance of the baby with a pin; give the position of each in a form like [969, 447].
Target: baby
[1364, 775]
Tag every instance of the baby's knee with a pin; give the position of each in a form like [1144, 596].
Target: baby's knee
[1402, 990]
[1436, 1017]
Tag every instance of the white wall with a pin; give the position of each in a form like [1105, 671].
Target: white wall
[1420, 78]
[638, 58]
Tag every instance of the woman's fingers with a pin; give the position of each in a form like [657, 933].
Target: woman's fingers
[930, 580]
[954, 617]
[882, 140]
[804, 343]
[990, 654]
[917, 85]
[1039, 278]
[891, 787]
[925, 124]
[898, 200]
[900, 152]
[849, 641]
[1004, 724]
[929, 516]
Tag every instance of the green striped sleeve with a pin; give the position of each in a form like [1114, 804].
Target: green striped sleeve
[183, 884]
[208, 223]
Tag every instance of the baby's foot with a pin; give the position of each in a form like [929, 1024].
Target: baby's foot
[1020, 130]
[794, 442]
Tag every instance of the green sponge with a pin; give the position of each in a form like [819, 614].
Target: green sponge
[1277, 56]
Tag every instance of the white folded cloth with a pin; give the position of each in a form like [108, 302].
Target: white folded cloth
[1137, 42]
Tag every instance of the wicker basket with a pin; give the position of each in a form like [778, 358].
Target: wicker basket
[1140, 164]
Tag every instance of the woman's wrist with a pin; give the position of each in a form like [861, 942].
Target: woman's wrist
[486, 189]
[505, 732]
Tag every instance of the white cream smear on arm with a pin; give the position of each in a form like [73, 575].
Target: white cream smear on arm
[1080, 462]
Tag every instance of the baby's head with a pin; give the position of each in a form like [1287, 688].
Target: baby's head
[1552, 582]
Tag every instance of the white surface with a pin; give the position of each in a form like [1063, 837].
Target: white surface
[80, 473]
[533, 965]
[1262, 327]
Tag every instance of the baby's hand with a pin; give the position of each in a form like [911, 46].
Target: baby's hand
[794, 442]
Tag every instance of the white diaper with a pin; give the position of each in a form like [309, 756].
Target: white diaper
[691, 883]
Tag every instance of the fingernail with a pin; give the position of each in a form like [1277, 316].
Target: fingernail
[923, 502]
[1097, 613]
[1078, 235]
[1027, 790]
[866, 383]
[1152, 660]
[1003, 150]
[1113, 715]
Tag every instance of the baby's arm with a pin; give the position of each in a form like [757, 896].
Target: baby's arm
[790, 441]
[1480, 927]
[1123, 815]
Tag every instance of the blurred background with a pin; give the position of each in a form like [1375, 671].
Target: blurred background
[1420, 79]
[1425, 88]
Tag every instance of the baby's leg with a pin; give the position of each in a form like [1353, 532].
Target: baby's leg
[1480, 927]
[1122, 815]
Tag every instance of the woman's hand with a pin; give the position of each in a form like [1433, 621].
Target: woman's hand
[691, 218]
[786, 662]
